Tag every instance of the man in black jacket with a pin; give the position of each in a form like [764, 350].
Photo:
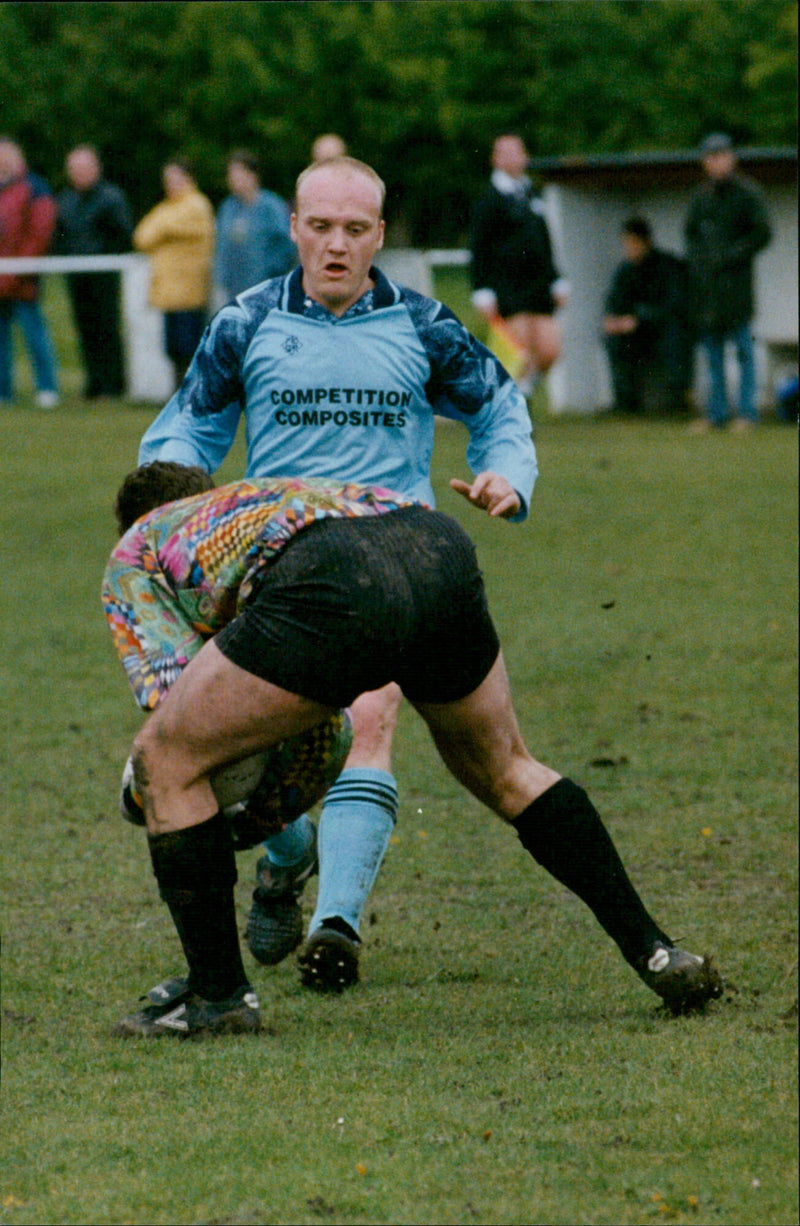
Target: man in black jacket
[646, 325]
[94, 219]
[726, 226]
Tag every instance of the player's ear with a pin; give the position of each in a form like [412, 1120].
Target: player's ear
[381, 231]
[293, 227]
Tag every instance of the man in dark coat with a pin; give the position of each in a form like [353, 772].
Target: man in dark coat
[94, 219]
[513, 271]
[726, 226]
[646, 325]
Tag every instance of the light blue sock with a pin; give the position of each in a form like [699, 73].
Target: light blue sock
[354, 830]
[293, 843]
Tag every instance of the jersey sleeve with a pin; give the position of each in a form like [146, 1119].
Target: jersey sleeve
[500, 441]
[468, 384]
[152, 636]
[178, 436]
[198, 425]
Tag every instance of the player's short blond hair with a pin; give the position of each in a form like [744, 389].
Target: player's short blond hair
[346, 165]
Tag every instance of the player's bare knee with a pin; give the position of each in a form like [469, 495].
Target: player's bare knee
[141, 775]
[149, 755]
[378, 708]
[508, 784]
[522, 782]
[498, 788]
[374, 722]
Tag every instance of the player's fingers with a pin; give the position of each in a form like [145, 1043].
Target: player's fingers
[509, 505]
[461, 487]
[481, 490]
[491, 493]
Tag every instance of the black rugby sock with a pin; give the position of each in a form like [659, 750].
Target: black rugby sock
[563, 831]
[196, 872]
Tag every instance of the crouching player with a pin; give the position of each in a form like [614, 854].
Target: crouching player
[371, 590]
[174, 584]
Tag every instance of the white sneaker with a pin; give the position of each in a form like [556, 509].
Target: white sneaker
[47, 400]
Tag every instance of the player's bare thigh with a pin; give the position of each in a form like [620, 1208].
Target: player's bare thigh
[479, 740]
[216, 712]
[540, 335]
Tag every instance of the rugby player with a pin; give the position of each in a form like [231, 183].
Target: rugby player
[324, 594]
[339, 373]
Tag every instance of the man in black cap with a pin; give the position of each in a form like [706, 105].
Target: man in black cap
[726, 227]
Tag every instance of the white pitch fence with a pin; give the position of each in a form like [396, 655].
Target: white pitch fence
[149, 375]
[579, 381]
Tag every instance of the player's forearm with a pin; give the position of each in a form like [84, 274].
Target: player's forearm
[500, 442]
[179, 435]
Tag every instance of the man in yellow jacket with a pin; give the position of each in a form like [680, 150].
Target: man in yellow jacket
[178, 235]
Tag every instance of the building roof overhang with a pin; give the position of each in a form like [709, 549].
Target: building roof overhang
[669, 169]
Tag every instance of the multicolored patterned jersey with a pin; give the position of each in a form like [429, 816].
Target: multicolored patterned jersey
[184, 571]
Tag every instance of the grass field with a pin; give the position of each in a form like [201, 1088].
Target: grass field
[498, 1063]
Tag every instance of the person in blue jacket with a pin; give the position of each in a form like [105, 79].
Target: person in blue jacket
[252, 239]
[339, 373]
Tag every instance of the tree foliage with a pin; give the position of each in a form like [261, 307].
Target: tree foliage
[417, 89]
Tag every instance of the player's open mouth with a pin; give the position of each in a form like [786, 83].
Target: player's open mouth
[335, 270]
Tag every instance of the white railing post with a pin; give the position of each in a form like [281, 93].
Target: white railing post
[149, 374]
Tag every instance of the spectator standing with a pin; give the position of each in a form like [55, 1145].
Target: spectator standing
[647, 327]
[252, 237]
[94, 219]
[178, 235]
[513, 273]
[726, 226]
[27, 221]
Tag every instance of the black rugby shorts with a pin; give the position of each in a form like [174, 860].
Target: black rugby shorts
[352, 604]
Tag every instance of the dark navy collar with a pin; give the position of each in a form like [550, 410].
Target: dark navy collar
[383, 294]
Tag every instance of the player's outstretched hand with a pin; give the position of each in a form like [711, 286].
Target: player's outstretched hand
[489, 492]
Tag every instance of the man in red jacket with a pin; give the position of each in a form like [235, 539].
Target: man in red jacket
[27, 220]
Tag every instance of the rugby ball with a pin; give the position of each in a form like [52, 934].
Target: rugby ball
[277, 784]
[280, 783]
[234, 783]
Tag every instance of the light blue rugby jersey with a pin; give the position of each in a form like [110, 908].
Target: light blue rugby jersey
[352, 398]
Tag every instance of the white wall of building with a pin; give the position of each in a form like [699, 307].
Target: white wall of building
[585, 225]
